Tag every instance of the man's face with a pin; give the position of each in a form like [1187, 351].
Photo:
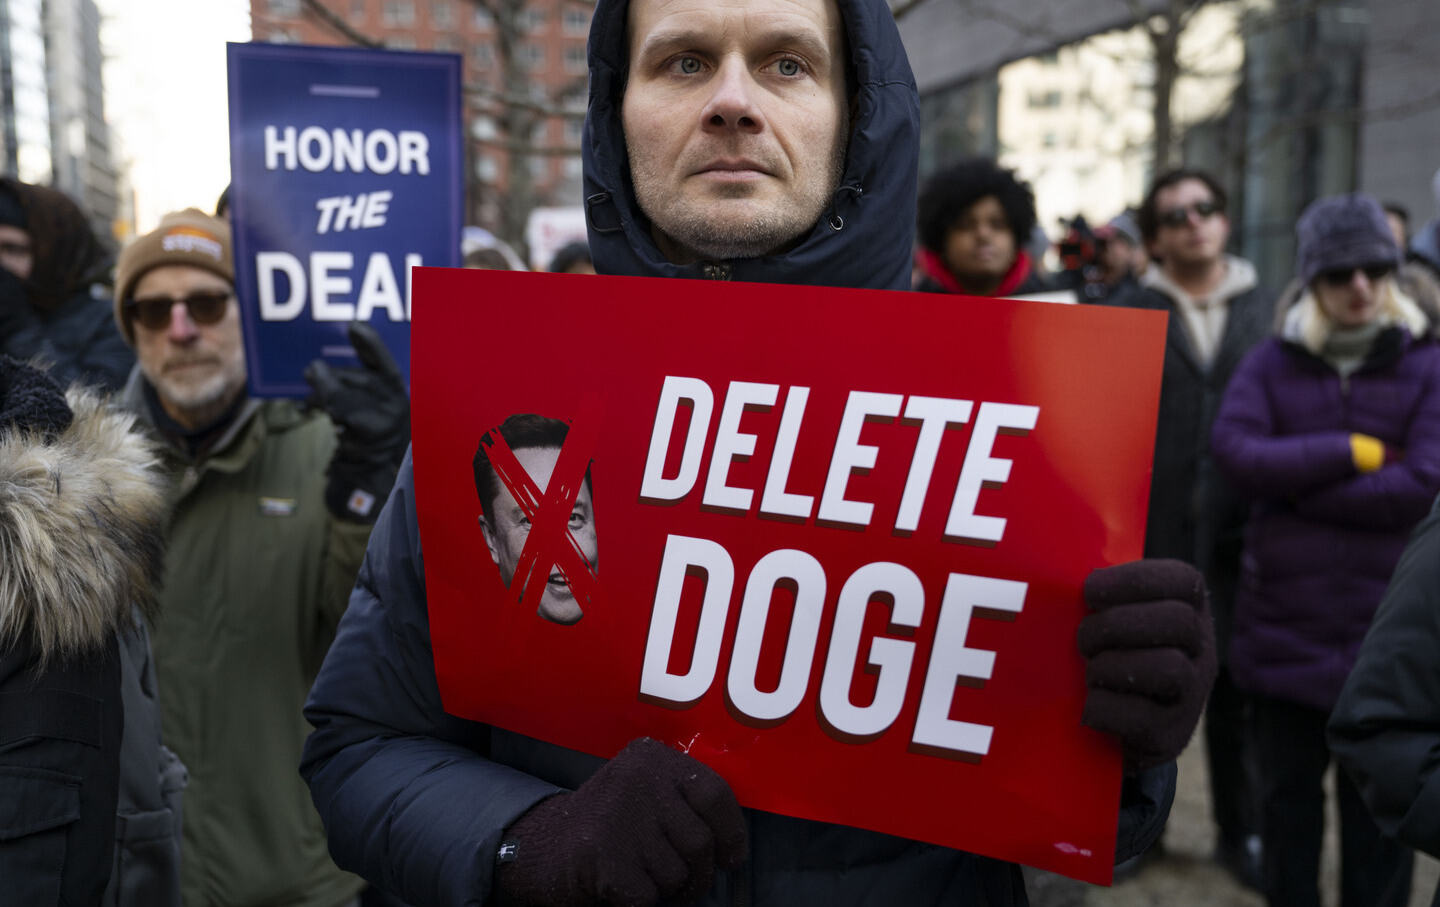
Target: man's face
[197, 369]
[980, 247]
[507, 527]
[1187, 236]
[16, 254]
[735, 120]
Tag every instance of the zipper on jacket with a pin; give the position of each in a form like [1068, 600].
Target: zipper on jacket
[716, 270]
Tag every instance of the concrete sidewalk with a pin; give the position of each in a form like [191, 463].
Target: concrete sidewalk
[1184, 874]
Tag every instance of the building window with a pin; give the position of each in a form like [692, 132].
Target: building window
[486, 168]
[481, 56]
[483, 128]
[401, 42]
[539, 168]
[532, 19]
[399, 12]
[483, 19]
[575, 59]
[574, 130]
[576, 21]
[442, 14]
[574, 168]
[447, 45]
[532, 56]
[286, 9]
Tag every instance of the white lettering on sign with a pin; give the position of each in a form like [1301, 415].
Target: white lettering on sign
[696, 393]
[981, 469]
[325, 283]
[682, 555]
[951, 660]
[358, 212]
[732, 444]
[806, 578]
[317, 149]
[851, 455]
[933, 415]
[891, 658]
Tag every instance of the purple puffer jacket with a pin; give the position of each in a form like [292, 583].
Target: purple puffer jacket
[1322, 540]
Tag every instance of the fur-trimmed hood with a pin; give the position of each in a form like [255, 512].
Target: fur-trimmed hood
[82, 523]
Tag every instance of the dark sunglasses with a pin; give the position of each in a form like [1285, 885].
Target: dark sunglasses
[1180, 216]
[1339, 277]
[153, 312]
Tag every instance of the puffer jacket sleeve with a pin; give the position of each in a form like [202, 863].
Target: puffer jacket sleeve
[1385, 729]
[1259, 462]
[1145, 801]
[408, 799]
[1397, 495]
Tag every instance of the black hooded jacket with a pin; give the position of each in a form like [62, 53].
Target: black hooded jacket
[864, 237]
[417, 800]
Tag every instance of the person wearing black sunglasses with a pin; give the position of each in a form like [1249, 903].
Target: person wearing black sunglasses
[1331, 427]
[273, 504]
[1217, 313]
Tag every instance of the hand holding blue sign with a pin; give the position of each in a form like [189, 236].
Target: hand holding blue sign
[371, 410]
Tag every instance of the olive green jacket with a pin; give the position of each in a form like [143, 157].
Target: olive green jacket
[257, 575]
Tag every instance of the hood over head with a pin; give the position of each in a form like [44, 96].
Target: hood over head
[865, 236]
[82, 515]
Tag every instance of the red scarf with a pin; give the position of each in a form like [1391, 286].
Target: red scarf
[934, 267]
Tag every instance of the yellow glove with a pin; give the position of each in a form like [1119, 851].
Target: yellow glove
[1367, 452]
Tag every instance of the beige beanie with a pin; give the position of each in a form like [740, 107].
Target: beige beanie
[189, 237]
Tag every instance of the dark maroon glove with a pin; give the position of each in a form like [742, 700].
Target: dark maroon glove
[1149, 649]
[653, 823]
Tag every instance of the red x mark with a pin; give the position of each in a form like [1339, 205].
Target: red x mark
[550, 540]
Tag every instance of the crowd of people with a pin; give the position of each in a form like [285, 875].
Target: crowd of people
[216, 679]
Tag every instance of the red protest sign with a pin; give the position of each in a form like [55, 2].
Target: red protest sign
[828, 541]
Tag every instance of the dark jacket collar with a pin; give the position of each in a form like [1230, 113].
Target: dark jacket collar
[865, 237]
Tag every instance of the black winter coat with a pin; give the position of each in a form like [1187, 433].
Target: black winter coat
[1385, 730]
[415, 799]
[1195, 514]
[81, 527]
[77, 341]
[59, 774]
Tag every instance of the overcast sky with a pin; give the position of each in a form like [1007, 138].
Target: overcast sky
[165, 97]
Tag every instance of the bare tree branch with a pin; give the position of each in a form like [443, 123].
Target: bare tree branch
[501, 99]
[337, 23]
[527, 149]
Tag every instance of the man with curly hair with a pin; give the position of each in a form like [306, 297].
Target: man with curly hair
[975, 220]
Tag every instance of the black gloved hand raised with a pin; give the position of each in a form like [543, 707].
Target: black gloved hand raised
[371, 411]
[653, 823]
[1149, 652]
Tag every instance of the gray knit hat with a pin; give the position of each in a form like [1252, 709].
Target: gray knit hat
[1343, 231]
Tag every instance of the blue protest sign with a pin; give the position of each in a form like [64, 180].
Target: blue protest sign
[345, 172]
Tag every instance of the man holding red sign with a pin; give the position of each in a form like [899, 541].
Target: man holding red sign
[761, 140]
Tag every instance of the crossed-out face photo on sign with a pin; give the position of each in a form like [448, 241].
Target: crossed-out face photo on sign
[532, 475]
